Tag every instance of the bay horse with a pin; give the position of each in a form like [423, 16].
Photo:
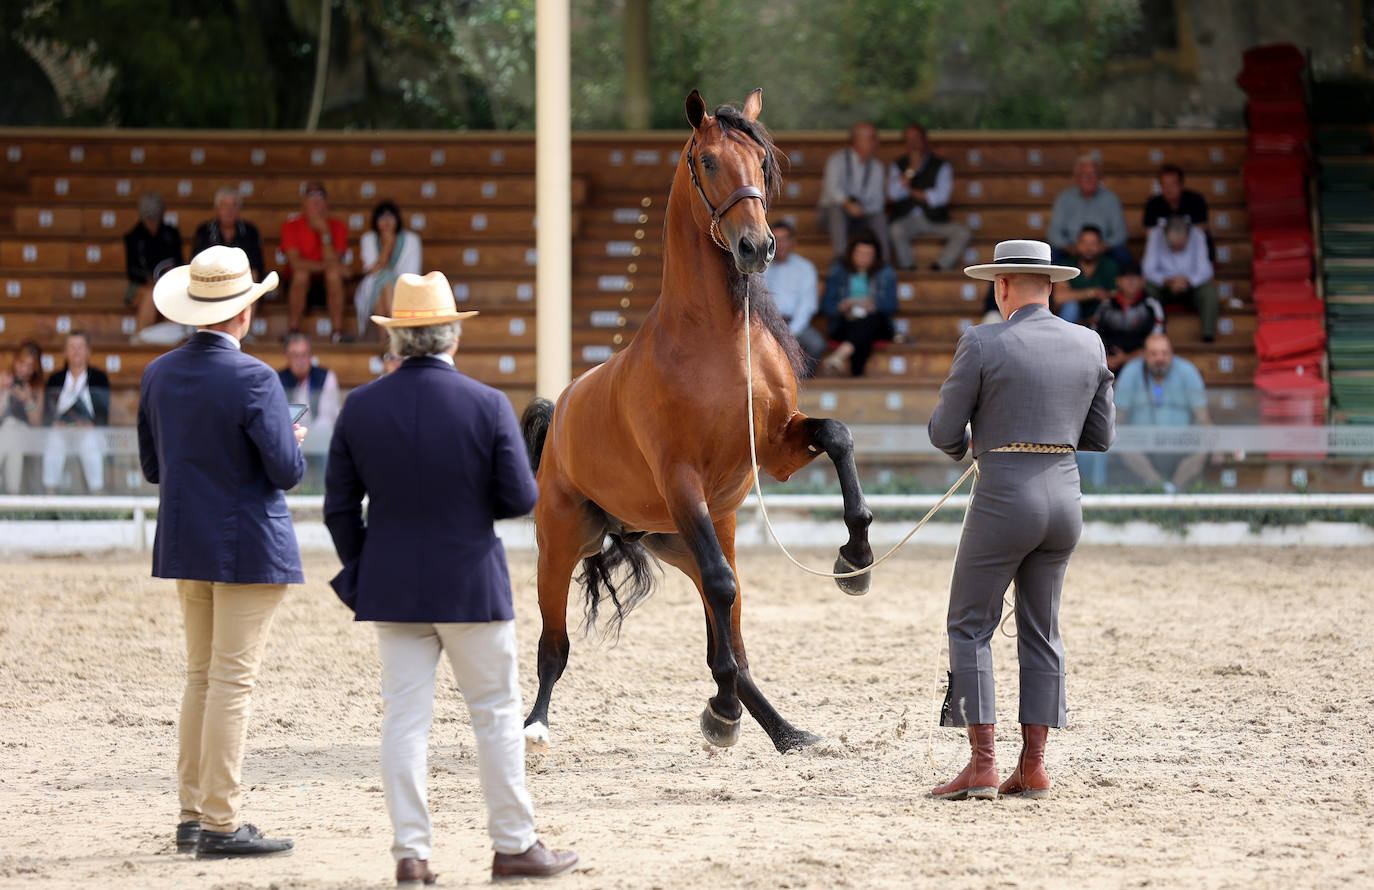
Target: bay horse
[649, 452]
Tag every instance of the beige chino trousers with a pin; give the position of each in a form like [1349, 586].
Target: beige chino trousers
[226, 626]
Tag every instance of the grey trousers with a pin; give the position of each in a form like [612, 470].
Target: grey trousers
[1022, 525]
[914, 225]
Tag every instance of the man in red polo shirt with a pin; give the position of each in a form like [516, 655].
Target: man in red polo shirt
[315, 263]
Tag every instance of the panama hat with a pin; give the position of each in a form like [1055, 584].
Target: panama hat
[1021, 257]
[214, 287]
[421, 300]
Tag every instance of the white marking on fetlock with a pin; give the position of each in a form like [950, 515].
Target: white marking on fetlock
[537, 738]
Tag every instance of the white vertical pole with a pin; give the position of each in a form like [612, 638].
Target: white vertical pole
[553, 204]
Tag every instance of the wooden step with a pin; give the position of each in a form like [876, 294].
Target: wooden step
[456, 259]
[230, 151]
[24, 289]
[94, 221]
[411, 192]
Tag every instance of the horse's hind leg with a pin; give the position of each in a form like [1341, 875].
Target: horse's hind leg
[674, 551]
[566, 532]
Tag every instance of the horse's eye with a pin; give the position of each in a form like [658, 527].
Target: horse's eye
[708, 164]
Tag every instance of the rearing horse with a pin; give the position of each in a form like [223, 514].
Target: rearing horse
[649, 452]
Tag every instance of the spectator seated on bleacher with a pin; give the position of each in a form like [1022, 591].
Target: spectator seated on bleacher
[1161, 389]
[1087, 203]
[1174, 200]
[151, 248]
[21, 387]
[315, 244]
[1079, 298]
[1127, 318]
[229, 229]
[1177, 270]
[388, 249]
[853, 192]
[792, 281]
[860, 301]
[76, 404]
[919, 186]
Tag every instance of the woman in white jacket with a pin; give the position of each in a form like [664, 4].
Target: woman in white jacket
[388, 250]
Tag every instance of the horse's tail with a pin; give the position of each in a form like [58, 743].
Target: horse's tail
[622, 556]
[534, 426]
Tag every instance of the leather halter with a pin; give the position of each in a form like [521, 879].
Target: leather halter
[739, 194]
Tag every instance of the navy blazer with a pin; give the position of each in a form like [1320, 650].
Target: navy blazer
[440, 458]
[215, 435]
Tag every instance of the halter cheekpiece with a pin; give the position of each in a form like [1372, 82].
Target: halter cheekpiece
[739, 194]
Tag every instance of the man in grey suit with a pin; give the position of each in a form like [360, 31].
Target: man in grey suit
[1024, 395]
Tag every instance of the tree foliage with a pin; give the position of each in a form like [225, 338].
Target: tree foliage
[469, 64]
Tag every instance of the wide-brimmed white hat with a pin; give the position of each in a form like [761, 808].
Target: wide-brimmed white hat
[1021, 257]
[421, 300]
[214, 287]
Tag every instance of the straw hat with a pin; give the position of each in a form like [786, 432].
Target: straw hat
[214, 287]
[1021, 257]
[417, 301]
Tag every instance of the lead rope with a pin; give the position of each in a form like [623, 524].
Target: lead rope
[758, 489]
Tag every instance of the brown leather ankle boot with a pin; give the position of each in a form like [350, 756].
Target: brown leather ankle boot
[979, 778]
[1030, 778]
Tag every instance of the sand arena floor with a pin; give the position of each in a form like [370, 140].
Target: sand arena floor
[1221, 704]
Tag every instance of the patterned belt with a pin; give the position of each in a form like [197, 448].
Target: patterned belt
[1035, 448]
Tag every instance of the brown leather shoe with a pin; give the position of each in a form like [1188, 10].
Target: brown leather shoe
[979, 778]
[536, 862]
[414, 873]
[1030, 779]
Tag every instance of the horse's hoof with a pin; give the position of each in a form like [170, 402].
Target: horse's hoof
[537, 739]
[718, 731]
[794, 741]
[856, 586]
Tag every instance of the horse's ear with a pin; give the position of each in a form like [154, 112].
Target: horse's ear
[753, 105]
[696, 110]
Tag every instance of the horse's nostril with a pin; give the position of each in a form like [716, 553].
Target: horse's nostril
[746, 247]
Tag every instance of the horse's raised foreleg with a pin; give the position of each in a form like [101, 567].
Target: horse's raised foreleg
[566, 531]
[802, 439]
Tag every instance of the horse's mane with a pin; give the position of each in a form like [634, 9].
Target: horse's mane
[761, 305]
[731, 121]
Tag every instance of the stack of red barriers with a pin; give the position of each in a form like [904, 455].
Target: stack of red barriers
[1290, 337]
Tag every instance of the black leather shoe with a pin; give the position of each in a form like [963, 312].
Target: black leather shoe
[247, 841]
[188, 835]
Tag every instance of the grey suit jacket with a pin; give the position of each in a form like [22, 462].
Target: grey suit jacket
[1036, 378]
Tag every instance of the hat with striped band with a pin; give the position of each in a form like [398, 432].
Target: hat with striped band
[1021, 258]
[421, 300]
[215, 286]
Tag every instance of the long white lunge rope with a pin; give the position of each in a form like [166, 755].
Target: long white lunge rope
[758, 489]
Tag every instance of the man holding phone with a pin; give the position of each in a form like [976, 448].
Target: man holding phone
[216, 435]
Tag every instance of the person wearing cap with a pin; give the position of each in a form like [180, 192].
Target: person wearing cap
[151, 247]
[440, 458]
[215, 435]
[315, 245]
[1023, 396]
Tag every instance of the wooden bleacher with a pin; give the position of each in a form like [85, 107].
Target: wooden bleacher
[68, 196]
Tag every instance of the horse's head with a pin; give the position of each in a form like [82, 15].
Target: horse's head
[733, 164]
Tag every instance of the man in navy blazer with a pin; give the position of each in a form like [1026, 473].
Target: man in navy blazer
[440, 458]
[215, 434]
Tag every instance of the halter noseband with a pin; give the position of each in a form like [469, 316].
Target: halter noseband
[739, 194]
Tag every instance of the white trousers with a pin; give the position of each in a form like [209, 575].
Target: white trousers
[484, 664]
[90, 446]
